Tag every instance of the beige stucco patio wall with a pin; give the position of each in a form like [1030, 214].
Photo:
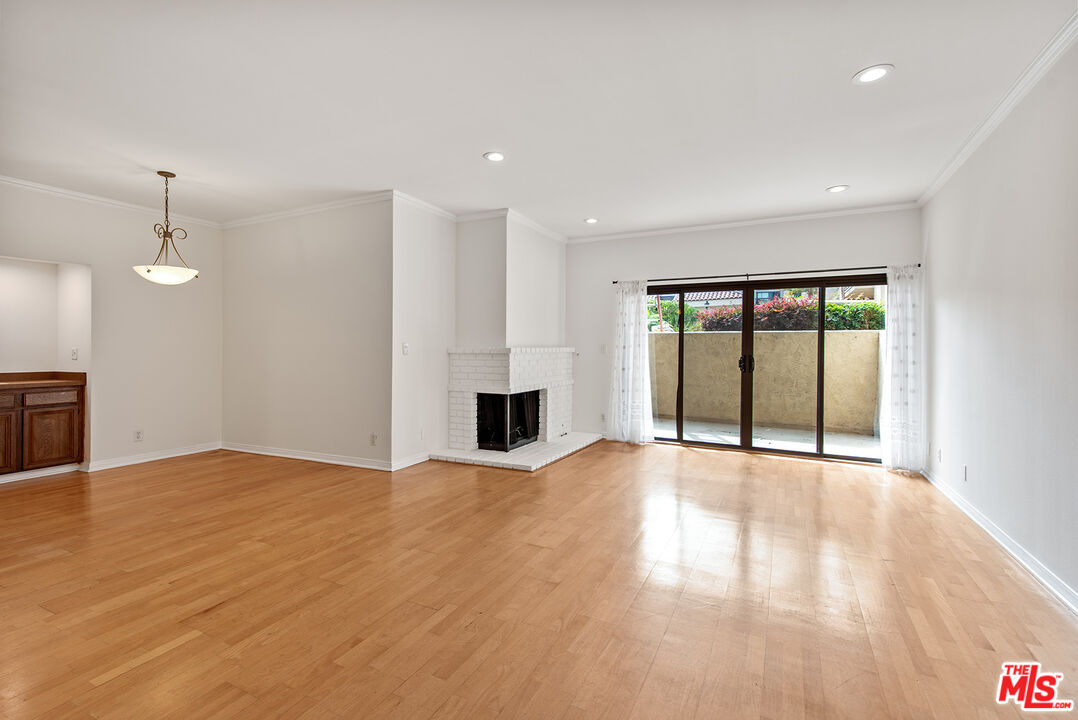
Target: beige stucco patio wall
[784, 393]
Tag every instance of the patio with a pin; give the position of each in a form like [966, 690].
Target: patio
[773, 438]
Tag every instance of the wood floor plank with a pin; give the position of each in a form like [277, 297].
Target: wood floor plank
[621, 582]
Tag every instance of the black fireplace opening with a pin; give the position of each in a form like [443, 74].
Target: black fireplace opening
[504, 422]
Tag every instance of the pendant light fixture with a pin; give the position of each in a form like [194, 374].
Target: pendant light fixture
[163, 273]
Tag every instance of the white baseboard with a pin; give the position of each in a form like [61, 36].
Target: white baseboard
[1067, 595]
[110, 463]
[410, 460]
[41, 472]
[348, 460]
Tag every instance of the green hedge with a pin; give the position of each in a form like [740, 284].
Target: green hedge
[862, 315]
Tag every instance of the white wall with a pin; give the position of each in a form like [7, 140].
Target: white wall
[843, 241]
[308, 333]
[148, 339]
[510, 283]
[535, 286]
[44, 315]
[480, 281]
[27, 315]
[1001, 248]
[73, 317]
[424, 313]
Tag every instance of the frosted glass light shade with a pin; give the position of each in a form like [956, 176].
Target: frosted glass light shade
[165, 274]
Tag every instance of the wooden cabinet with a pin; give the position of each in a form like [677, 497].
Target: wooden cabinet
[41, 420]
[50, 436]
[9, 441]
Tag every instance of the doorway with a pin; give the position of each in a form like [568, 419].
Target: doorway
[789, 366]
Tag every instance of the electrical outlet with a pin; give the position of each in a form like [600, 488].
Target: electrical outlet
[939, 454]
[374, 439]
[405, 348]
[137, 435]
[602, 349]
[965, 474]
[602, 418]
[74, 353]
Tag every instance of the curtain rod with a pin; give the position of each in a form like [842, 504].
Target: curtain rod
[752, 275]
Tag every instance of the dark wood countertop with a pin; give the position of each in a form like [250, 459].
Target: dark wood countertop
[52, 378]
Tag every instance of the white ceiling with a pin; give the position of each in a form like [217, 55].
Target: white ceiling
[644, 114]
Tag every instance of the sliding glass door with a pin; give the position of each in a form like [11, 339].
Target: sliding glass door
[854, 341]
[785, 341]
[789, 367]
[711, 383]
[664, 340]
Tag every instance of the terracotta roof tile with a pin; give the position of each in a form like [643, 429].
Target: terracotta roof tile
[713, 295]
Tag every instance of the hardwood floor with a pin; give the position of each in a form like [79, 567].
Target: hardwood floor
[621, 582]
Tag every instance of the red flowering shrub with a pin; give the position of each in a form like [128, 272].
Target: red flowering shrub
[724, 317]
[790, 313]
[787, 313]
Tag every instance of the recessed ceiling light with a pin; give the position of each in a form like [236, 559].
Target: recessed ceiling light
[872, 74]
[591, 221]
[494, 156]
[838, 188]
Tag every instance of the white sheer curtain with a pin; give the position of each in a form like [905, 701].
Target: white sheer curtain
[630, 377]
[902, 421]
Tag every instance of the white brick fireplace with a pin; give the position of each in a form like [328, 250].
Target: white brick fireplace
[507, 371]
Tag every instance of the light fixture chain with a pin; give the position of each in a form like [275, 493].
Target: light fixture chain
[166, 204]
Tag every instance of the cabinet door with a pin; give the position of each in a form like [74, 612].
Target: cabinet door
[50, 436]
[9, 441]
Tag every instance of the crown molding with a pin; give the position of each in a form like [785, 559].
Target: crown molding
[1034, 72]
[658, 232]
[98, 200]
[528, 222]
[483, 215]
[423, 205]
[509, 213]
[364, 199]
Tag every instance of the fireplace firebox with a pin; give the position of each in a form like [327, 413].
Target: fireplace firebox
[504, 422]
